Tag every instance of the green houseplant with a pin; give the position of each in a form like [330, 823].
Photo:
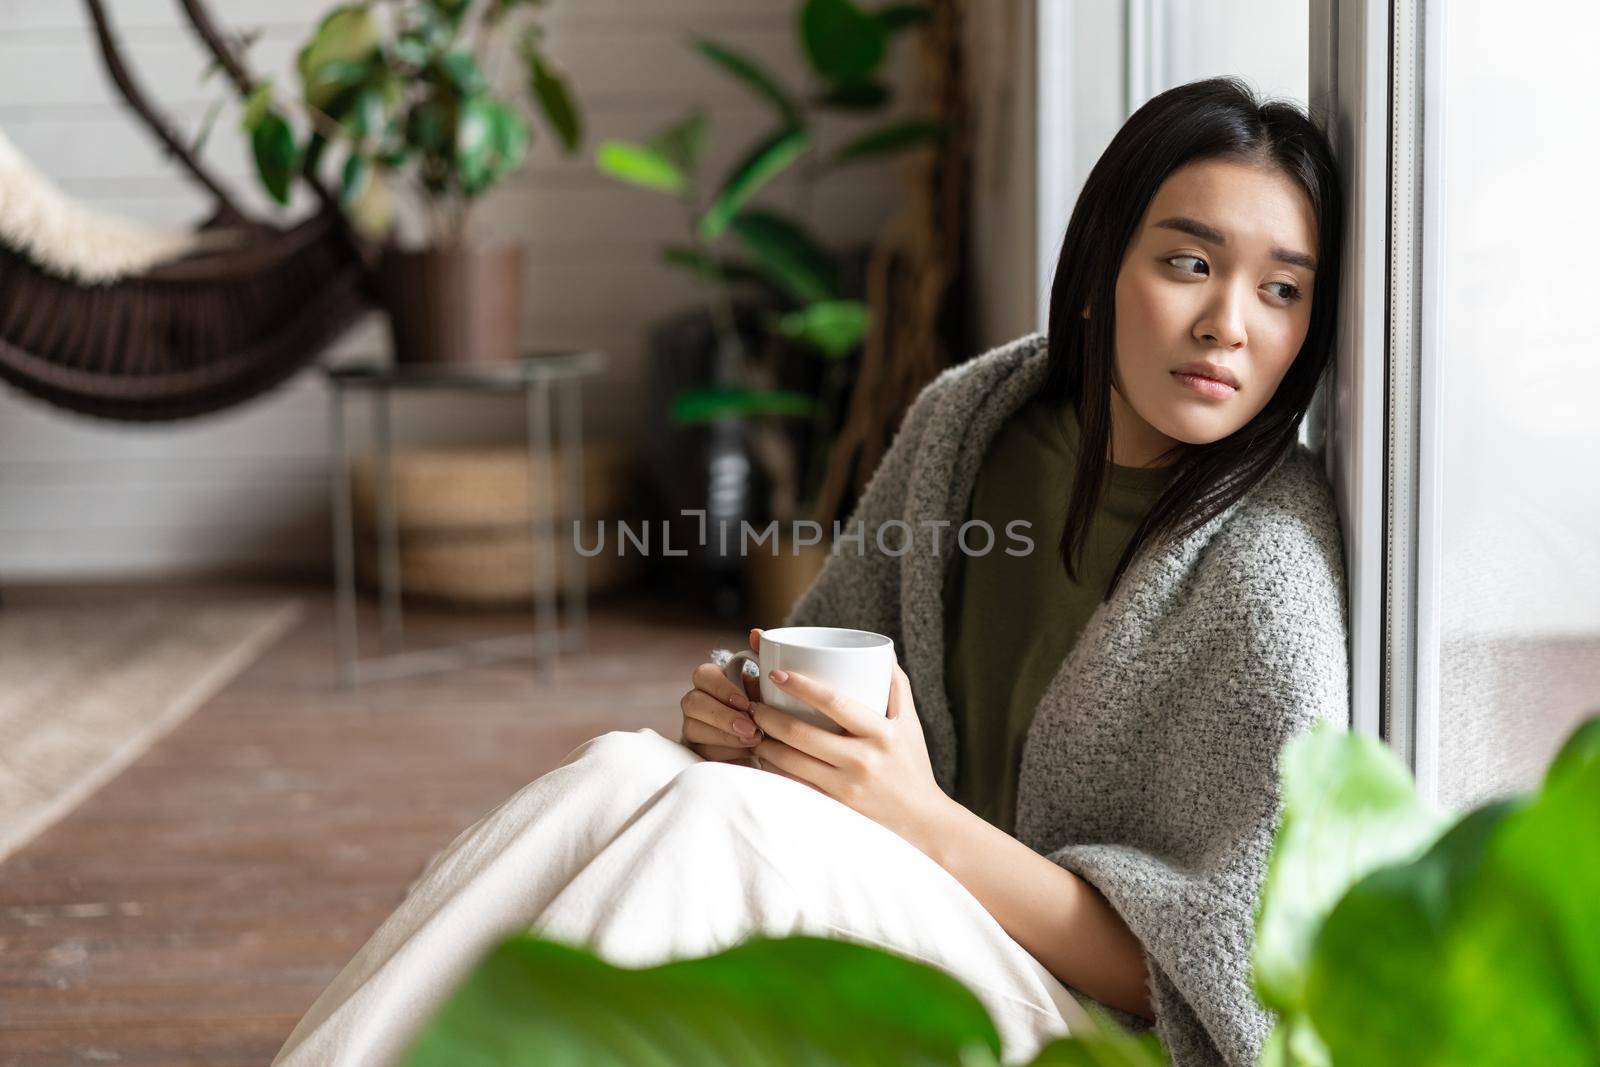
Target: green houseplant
[734, 245]
[1388, 934]
[402, 97]
[1392, 934]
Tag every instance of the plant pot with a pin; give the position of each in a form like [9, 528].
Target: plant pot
[457, 304]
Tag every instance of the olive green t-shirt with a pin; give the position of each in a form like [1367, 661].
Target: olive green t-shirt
[1010, 620]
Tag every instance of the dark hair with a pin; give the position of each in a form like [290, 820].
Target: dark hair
[1218, 118]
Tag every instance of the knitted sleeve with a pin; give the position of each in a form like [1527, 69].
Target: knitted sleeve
[1278, 664]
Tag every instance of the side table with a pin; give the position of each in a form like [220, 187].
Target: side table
[536, 376]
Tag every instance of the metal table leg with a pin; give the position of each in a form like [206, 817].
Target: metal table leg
[388, 522]
[559, 575]
[343, 536]
[541, 524]
[575, 634]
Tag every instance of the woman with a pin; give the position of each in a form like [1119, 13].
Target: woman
[1074, 790]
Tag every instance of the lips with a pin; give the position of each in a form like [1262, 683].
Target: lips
[1211, 371]
[1204, 386]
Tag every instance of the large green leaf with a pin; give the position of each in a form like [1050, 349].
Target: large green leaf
[474, 147]
[708, 405]
[763, 163]
[834, 328]
[338, 54]
[842, 41]
[896, 137]
[1349, 806]
[769, 1002]
[1484, 951]
[787, 255]
[277, 157]
[753, 75]
[1376, 935]
[461, 72]
[490, 140]
[1581, 750]
[555, 100]
[640, 165]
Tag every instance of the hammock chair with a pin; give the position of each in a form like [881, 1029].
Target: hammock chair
[109, 318]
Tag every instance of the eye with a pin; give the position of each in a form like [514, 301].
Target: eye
[1289, 295]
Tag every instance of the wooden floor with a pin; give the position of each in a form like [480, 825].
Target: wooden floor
[190, 911]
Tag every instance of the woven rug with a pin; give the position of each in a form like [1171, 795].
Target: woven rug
[85, 690]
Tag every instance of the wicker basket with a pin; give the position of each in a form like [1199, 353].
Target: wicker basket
[463, 519]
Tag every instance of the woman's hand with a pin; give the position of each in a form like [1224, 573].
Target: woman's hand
[712, 713]
[879, 766]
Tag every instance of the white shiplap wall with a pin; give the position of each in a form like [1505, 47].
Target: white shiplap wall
[246, 490]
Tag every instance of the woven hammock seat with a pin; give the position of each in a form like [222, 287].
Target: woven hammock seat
[183, 324]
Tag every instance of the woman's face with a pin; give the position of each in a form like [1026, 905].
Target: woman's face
[1220, 272]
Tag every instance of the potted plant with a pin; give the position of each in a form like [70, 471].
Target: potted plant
[400, 97]
[753, 402]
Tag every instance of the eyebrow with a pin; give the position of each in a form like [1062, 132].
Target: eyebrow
[1196, 228]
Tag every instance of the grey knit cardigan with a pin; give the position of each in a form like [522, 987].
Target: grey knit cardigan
[1150, 768]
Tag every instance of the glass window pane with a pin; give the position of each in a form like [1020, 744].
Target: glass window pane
[1265, 42]
[1519, 436]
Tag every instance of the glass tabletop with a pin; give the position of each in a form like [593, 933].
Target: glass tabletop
[533, 367]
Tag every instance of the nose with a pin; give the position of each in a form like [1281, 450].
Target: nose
[1222, 324]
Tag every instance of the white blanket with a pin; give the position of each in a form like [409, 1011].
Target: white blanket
[69, 239]
[640, 849]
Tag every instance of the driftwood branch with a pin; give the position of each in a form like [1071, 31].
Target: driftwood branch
[230, 62]
[122, 77]
[913, 273]
[233, 65]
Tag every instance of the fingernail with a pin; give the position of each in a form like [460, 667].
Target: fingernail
[744, 727]
[779, 676]
[741, 702]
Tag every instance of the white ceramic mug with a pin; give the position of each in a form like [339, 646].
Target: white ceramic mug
[858, 663]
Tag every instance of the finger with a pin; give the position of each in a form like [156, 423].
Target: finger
[701, 707]
[755, 639]
[846, 712]
[701, 734]
[822, 745]
[708, 678]
[774, 754]
[704, 733]
[900, 700]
